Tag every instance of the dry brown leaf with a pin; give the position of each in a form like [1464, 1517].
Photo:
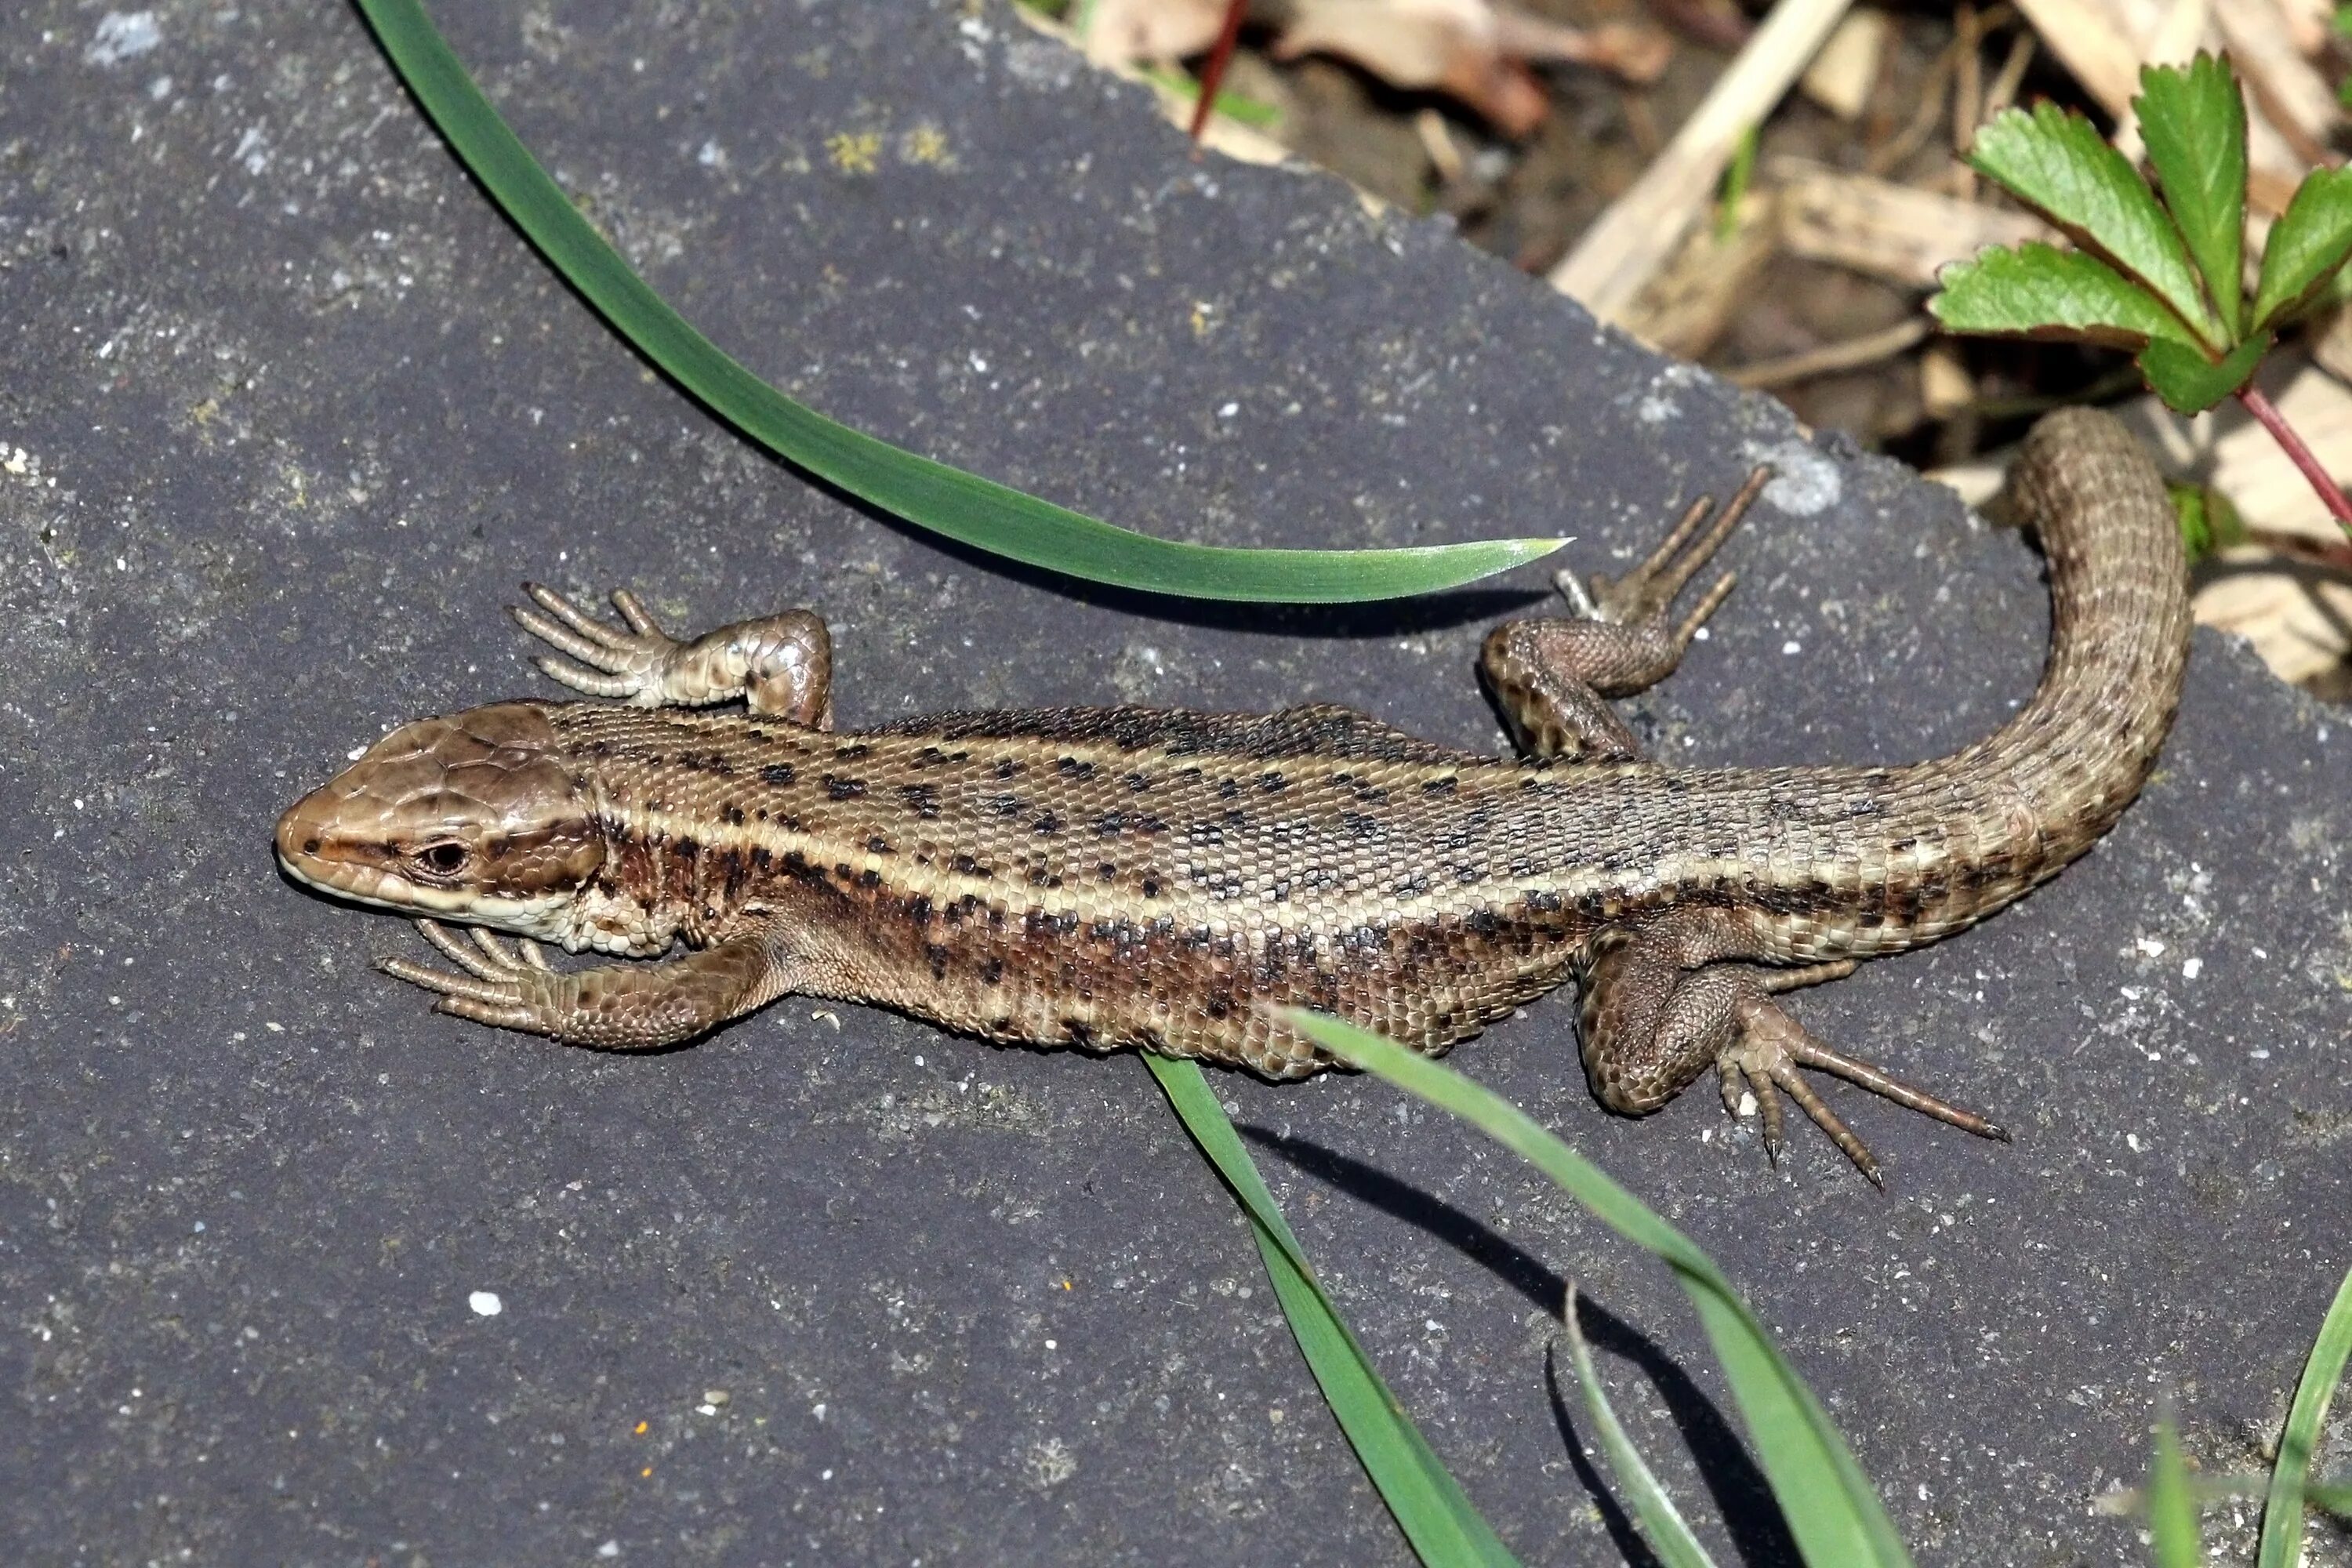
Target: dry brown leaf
[1692, 300]
[1122, 32]
[1468, 49]
[1222, 134]
[2299, 618]
[1843, 74]
[1623, 250]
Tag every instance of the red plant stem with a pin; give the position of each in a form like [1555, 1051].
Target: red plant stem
[2264, 410]
[1212, 73]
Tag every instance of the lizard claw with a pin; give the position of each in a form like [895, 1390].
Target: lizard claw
[630, 665]
[1770, 1048]
[1649, 590]
[495, 987]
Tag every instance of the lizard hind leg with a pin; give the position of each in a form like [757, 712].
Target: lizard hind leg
[1650, 1027]
[1550, 675]
[778, 664]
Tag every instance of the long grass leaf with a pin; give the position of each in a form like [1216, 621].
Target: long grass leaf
[2172, 1504]
[2282, 1538]
[1437, 1519]
[965, 507]
[1670, 1535]
[1831, 1507]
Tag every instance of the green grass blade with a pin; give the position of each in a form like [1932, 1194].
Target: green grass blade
[1437, 1519]
[964, 506]
[2282, 1539]
[1669, 1536]
[2171, 1505]
[1831, 1507]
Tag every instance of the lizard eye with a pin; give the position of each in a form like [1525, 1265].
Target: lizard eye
[445, 857]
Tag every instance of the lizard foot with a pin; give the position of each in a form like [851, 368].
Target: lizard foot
[776, 664]
[1648, 590]
[629, 664]
[499, 987]
[1767, 1049]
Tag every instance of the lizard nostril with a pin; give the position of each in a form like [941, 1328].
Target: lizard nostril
[310, 847]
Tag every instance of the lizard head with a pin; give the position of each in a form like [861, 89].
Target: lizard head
[479, 817]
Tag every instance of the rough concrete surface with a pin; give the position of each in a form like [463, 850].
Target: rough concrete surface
[293, 1271]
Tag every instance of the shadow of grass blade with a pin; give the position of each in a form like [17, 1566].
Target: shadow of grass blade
[1830, 1505]
[2282, 1538]
[965, 507]
[1669, 1536]
[1428, 1505]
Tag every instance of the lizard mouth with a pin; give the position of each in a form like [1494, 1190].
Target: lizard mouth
[305, 857]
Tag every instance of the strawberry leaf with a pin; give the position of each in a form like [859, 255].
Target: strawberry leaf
[2038, 291]
[2194, 121]
[2057, 163]
[2306, 245]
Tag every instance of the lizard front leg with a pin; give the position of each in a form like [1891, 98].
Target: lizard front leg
[778, 664]
[619, 1008]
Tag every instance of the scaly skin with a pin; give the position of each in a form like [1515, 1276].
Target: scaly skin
[1109, 877]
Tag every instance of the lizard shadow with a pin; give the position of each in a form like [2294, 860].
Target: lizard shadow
[1743, 1498]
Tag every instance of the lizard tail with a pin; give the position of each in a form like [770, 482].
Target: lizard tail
[2079, 750]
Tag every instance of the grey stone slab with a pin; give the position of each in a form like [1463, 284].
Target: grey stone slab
[289, 411]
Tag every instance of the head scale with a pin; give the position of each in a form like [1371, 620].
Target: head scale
[479, 816]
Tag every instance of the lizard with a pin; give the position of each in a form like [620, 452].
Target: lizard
[1170, 880]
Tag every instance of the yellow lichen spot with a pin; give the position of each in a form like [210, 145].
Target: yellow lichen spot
[1202, 312]
[646, 1474]
[639, 1430]
[925, 144]
[855, 152]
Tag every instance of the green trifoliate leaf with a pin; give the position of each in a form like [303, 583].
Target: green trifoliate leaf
[2038, 291]
[2193, 119]
[2306, 245]
[2057, 163]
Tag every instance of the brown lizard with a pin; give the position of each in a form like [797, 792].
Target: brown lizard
[1167, 879]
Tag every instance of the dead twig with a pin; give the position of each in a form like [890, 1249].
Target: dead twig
[1625, 248]
[1968, 97]
[1900, 233]
[1851, 353]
